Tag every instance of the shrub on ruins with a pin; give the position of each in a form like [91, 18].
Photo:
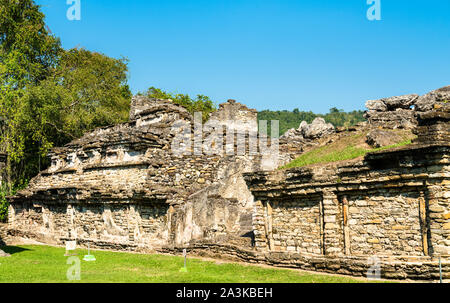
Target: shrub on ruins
[50, 95]
[201, 103]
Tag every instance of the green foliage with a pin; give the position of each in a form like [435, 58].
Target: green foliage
[318, 156]
[337, 152]
[27, 55]
[292, 119]
[3, 206]
[4, 202]
[86, 90]
[201, 103]
[48, 95]
[27, 50]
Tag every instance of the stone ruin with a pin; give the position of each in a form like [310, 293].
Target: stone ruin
[236, 116]
[122, 188]
[393, 204]
[401, 111]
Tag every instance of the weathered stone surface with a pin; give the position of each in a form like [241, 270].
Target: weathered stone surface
[400, 118]
[377, 105]
[317, 129]
[121, 187]
[400, 111]
[236, 116]
[404, 102]
[376, 206]
[434, 126]
[309, 132]
[379, 137]
[392, 103]
[293, 134]
[428, 101]
[3, 238]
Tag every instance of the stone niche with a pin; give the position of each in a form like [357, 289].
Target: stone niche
[385, 222]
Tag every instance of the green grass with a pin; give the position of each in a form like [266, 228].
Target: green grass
[35, 263]
[346, 149]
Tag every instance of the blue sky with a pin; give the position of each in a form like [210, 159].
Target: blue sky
[310, 54]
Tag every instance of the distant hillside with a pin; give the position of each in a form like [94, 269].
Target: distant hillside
[292, 119]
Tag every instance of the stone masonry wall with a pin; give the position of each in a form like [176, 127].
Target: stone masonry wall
[124, 187]
[385, 222]
[393, 204]
[295, 226]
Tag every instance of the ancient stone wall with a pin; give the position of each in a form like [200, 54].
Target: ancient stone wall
[392, 204]
[236, 115]
[124, 187]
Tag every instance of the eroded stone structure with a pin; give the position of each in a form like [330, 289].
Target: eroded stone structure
[401, 111]
[393, 204]
[122, 187]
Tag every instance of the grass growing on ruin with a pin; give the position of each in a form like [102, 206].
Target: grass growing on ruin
[346, 148]
[35, 263]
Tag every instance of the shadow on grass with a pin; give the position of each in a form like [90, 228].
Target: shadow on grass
[13, 249]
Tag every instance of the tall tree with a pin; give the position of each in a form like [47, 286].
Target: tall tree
[27, 55]
[86, 90]
[49, 95]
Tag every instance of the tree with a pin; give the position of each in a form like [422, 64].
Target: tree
[49, 95]
[201, 103]
[86, 90]
[288, 119]
[27, 55]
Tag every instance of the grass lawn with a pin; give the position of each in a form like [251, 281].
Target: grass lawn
[35, 263]
[346, 148]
